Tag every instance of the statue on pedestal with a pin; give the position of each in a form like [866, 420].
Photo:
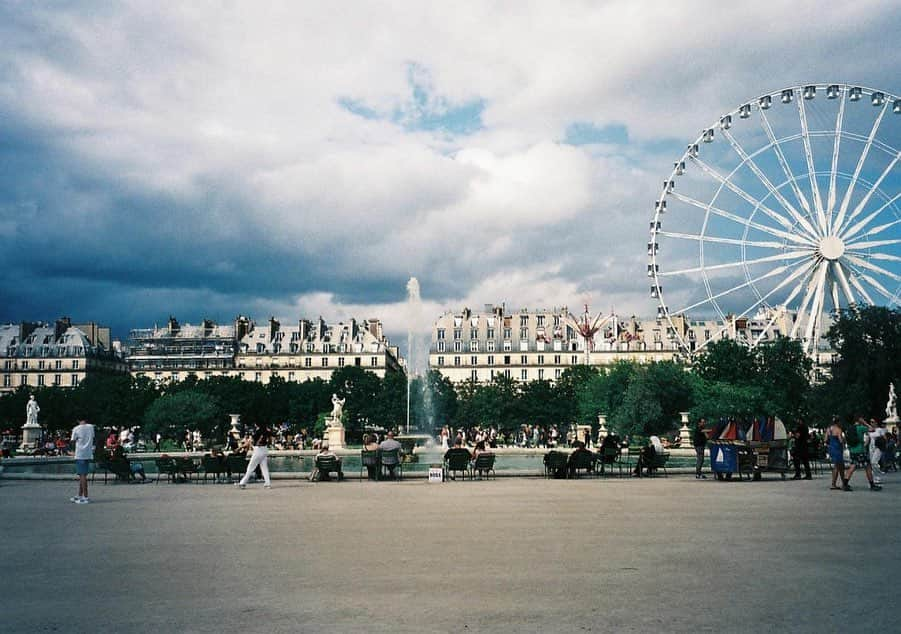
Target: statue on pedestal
[891, 407]
[31, 412]
[337, 411]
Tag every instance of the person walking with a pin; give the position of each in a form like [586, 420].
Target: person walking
[699, 442]
[260, 457]
[801, 450]
[835, 446]
[858, 438]
[877, 446]
[83, 439]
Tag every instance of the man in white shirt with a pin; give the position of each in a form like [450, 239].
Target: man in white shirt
[877, 442]
[83, 439]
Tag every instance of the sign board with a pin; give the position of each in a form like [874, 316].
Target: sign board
[436, 474]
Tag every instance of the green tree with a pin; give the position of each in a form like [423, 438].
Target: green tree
[174, 413]
[784, 376]
[360, 388]
[728, 361]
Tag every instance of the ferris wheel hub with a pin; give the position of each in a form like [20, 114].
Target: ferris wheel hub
[832, 247]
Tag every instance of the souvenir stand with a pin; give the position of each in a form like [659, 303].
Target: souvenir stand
[729, 452]
[768, 441]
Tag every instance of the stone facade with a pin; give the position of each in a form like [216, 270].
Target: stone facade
[55, 355]
[313, 349]
[532, 344]
[174, 352]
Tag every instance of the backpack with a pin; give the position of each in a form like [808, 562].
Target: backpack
[851, 436]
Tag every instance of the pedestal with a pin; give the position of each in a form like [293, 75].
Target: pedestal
[334, 434]
[684, 431]
[236, 421]
[602, 427]
[31, 436]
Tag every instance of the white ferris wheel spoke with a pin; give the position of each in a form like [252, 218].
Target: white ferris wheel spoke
[760, 175]
[736, 241]
[750, 199]
[772, 273]
[872, 267]
[798, 272]
[860, 288]
[833, 286]
[879, 287]
[745, 222]
[839, 220]
[802, 200]
[811, 288]
[853, 231]
[792, 255]
[811, 169]
[843, 282]
[884, 256]
[872, 189]
[816, 304]
[833, 172]
[857, 246]
[788, 300]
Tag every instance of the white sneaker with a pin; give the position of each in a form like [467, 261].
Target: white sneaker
[267, 486]
[75, 498]
[83, 501]
[240, 486]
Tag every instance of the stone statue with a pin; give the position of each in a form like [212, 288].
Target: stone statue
[891, 408]
[31, 412]
[337, 408]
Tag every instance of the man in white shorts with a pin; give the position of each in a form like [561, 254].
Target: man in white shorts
[877, 440]
[83, 439]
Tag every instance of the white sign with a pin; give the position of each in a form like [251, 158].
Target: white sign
[436, 474]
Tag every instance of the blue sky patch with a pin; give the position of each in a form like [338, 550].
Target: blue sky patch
[584, 133]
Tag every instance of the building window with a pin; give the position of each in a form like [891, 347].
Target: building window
[57, 379]
[508, 345]
[474, 333]
[490, 359]
[574, 359]
[523, 345]
[75, 364]
[556, 359]
[457, 361]
[491, 333]
[541, 374]
[440, 346]
[524, 375]
[74, 380]
[307, 362]
[340, 362]
[490, 345]
[40, 379]
[440, 360]
[506, 359]
[324, 362]
[508, 333]
[473, 361]
[374, 361]
[6, 380]
[523, 320]
[257, 376]
[25, 364]
[458, 333]
[557, 373]
[473, 346]
[175, 376]
[40, 367]
[441, 333]
[523, 360]
[23, 380]
[7, 365]
[540, 320]
[558, 345]
[458, 346]
[291, 376]
[358, 361]
[507, 373]
[523, 333]
[474, 375]
[540, 359]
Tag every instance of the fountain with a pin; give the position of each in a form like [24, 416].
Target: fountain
[417, 367]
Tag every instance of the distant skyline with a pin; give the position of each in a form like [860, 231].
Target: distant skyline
[297, 160]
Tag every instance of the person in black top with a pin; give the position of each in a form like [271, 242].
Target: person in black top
[262, 437]
[699, 442]
[801, 450]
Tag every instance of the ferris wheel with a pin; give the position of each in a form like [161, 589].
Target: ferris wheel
[784, 211]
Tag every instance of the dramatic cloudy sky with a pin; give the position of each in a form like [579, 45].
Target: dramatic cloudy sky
[303, 159]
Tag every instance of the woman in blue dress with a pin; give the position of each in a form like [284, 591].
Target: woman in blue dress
[835, 446]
